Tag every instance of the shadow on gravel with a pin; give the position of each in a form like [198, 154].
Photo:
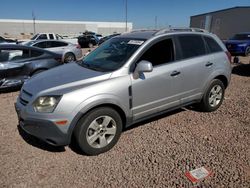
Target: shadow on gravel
[156, 118]
[75, 148]
[242, 70]
[9, 90]
[38, 143]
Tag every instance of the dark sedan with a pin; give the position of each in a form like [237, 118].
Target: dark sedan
[18, 63]
[107, 37]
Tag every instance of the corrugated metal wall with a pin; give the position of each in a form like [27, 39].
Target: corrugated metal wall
[225, 23]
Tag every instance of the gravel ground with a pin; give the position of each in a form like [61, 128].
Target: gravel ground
[156, 153]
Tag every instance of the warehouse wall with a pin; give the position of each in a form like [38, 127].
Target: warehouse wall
[16, 27]
[224, 23]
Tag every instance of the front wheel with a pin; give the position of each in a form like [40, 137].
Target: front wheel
[247, 51]
[98, 131]
[90, 45]
[213, 96]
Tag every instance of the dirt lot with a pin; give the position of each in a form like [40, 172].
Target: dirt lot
[156, 153]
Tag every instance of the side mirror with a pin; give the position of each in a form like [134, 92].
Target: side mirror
[142, 66]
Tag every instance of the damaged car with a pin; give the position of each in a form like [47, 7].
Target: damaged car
[18, 63]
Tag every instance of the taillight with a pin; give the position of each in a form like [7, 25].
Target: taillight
[229, 56]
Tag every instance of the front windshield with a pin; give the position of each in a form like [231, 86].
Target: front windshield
[112, 54]
[241, 37]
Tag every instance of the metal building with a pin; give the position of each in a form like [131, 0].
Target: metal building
[29, 27]
[224, 23]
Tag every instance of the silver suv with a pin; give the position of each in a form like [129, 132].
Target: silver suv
[127, 79]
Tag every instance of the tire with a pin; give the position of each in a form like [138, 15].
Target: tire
[247, 52]
[90, 45]
[69, 57]
[93, 136]
[213, 96]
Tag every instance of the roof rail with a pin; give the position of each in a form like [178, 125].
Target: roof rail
[183, 29]
[139, 30]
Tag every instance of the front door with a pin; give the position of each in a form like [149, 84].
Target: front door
[157, 90]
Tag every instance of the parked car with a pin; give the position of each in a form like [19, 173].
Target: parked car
[70, 52]
[128, 79]
[53, 36]
[107, 37]
[4, 40]
[99, 36]
[18, 63]
[239, 44]
[88, 41]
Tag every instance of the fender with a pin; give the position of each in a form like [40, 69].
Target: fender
[95, 101]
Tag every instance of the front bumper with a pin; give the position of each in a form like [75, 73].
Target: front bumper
[43, 129]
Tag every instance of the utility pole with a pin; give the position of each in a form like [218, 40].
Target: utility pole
[34, 22]
[156, 20]
[126, 15]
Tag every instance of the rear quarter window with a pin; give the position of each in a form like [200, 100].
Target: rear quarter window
[35, 53]
[191, 46]
[213, 46]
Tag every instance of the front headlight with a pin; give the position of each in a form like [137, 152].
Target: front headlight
[244, 44]
[46, 104]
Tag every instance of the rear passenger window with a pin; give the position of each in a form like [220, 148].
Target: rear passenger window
[41, 45]
[58, 44]
[160, 53]
[213, 46]
[192, 46]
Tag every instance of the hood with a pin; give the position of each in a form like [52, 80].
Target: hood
[64, 78]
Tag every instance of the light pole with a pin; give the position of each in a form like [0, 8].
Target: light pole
[126, 15]
[34, 22]
[156, 20]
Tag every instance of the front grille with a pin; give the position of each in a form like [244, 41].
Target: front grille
[27, 93]
[25, 97]
[23, 102]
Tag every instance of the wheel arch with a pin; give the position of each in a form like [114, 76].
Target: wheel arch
[81, 114]
[67, 52]
[223, 79]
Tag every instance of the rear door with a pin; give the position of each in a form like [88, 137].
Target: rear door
[195, 66]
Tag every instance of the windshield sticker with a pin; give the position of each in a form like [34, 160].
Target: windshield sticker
[136, 42]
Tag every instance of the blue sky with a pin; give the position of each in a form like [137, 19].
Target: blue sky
[141, 12]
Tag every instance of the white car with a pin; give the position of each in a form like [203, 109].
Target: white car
[70, 52]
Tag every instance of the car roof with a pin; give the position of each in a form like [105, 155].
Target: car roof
[243, 33]
[147, 34]
[45, 40]
[23, 47]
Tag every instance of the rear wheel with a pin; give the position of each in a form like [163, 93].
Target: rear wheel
[69, 57]
[91, 45]
[213, 97]
[98, 131]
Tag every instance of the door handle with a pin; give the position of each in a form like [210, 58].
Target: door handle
[209, 64]
[174, 73]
